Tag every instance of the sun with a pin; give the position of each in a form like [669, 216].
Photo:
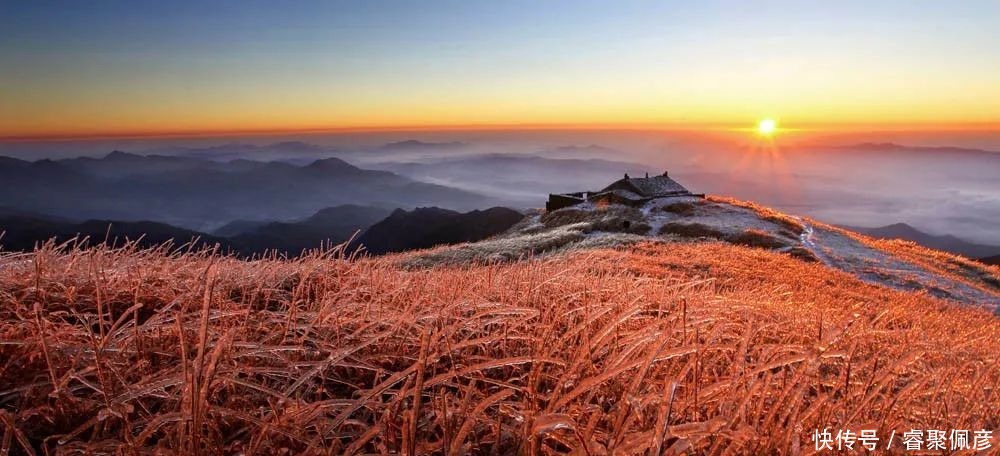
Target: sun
[767, 127]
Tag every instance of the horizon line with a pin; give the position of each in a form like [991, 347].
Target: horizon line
[842, 127]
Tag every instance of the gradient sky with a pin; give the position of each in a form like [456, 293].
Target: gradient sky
[82, 68]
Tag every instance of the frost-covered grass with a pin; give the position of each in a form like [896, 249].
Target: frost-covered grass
[707, 348]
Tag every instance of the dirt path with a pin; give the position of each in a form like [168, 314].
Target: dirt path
[875, 266]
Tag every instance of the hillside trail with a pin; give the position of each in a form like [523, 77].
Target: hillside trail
[831, 248]
[874, 266]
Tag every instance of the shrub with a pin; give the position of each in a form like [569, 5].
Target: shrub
[803, 254]
[757, 238]
[679, 208]
[691, 230]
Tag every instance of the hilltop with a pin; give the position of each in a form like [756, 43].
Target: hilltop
[894, 263]
[684, 324]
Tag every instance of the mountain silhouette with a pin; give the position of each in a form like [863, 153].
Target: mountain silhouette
[24, 233]
[947, 243]
[332, 225]
[414, 145]
[383, 231]
[201, 194]
[430, 226]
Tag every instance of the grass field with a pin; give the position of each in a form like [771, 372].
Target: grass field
[656, 348]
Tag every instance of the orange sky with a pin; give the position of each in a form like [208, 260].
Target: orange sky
[124, 70]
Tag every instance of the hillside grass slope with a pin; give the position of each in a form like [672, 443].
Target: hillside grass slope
[704, 347]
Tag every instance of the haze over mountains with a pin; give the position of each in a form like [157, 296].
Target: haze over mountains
[24, 233]
[373, 229]
[947, 243]
[520, 177]
[233, 187]
[202, 194]
[301, 153]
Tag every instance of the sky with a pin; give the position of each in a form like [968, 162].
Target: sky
[137, 67]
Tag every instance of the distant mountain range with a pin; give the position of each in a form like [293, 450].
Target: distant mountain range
[383, 230]
[23, 233]
[201, 194]
[334, 225]
[893, 147]
[524, 179]
[580, 152]
[412, 144]
[295, 152]
[302, 153]
[947, 243]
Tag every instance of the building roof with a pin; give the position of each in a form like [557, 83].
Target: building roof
[650, 187]
[620, 193]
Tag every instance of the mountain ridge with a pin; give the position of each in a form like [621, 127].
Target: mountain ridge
[945, 242]
[201, 194]
[398, 230]
[894, 147]
[426, 227]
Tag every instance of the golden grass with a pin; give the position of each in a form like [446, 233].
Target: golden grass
[758, 238]
[708, 347]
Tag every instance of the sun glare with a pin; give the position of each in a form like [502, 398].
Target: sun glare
[767, 127]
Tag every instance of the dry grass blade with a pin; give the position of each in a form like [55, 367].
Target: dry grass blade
[11, 430]
[677, 348]
[471, 419]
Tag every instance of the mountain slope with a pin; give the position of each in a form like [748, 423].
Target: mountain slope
[399, 231]
[947, 243]
[201, 194]
[332, 225]
[430, 226]
[24, 233]
[238, 227]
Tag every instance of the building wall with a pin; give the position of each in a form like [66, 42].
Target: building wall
[557, 202]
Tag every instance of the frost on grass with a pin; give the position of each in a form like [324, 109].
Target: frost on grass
[553, 232]
[511, 247]
[613, 218]
[652, 348]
